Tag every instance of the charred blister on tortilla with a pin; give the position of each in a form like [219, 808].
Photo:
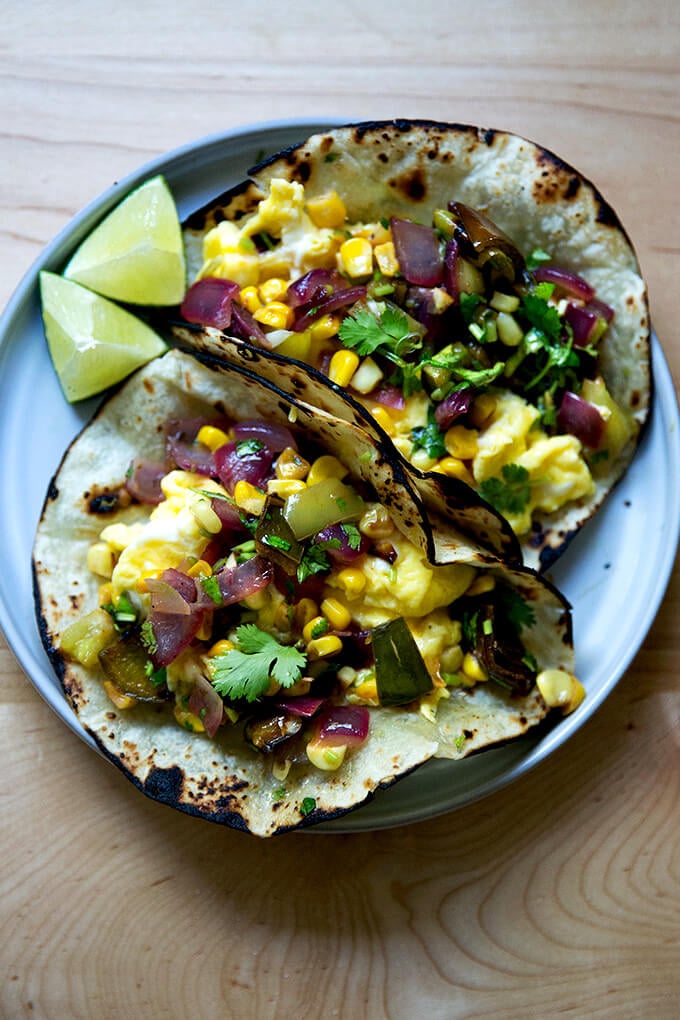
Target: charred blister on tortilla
[480, 355]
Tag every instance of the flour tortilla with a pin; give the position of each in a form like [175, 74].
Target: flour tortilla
[411, 168]
[222, 779]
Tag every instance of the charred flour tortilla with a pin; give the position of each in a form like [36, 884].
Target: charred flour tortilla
[410, 169]
[221, 778]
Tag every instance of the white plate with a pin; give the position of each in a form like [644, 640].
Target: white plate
[615, 572]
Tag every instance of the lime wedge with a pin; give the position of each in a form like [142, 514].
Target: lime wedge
[136, 254]
[93, 343]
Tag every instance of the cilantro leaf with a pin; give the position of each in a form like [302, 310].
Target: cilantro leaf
[541, 315]
[517, 609]
[246, 671]
[391, 330]
[509, 494]
[211, 586]
[315, 560]
[536, 258]
[429, 438]
[352, 534]
[307, 806]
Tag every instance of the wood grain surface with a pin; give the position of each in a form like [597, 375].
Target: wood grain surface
[558, 896]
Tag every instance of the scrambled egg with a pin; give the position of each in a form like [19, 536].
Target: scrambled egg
[179, 527]
[228, 249]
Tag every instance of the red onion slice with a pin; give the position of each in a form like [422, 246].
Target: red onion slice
[605, 311]
[234, 463]
[331, 303]
[417, 249]
[274, 437]
[343, 553]
[581, 419]
[143, 481]
[244, 326]
[343, 724]
[182, 449]
[208, 302]
[451, 279]
[304, 705]
[454, 406]
[242, 581]
[205, 702]
[389, 396]
[166, 600]
[567, 281]
[313, 286]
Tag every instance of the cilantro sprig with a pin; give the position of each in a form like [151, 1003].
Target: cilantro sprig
[391, 333]
[511, 492]
[246, 671]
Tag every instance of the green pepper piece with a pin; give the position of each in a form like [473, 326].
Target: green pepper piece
[126, 664]
[400, 673]
[274, 536]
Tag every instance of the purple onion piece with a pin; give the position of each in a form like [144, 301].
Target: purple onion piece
[208, 302]
[344, 553]
[313, 286]
[304, 705]
[182, 448]
[245, 327]
[234, 464]
[239, 582]
[582, 419]
[452, 407]
[567, 281]
[331, 303]
[417, 250]
[205, 702]
[343, 724]
[275, 437]
[143, 481]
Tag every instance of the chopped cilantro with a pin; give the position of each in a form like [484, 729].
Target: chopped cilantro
[468, 306]
[460, 741]
[320, 628]
[511, 493]
[276, 542]
[429, 438]
[517, 609]
[279, 793]
[536, 258]
[352, 534]
[307, 806]
[315, 560]
[211, 587]
[147, 637]
[246, 671]
[598, 456]
[391, 330]
[249, 446]
[331, 157]
[244, 551]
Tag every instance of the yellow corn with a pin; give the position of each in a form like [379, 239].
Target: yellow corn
[324, 328]
[212, 437]
[275, 314]
[382, 416]
[510, 332]
[482, 410]
[386, 259]
[188, 720]
[305, 610]
[451, 659]
[560, 689]
[473, 668]
[317, 625]
[343, 366]
[248, 498]
[250, 298]
[356, 256]
[327, 210]
[119, 699]
[501, 302]
[220, 647]
[206, 517]
[376, 522]
[367, 376]
[455, 468]
[273, 289]
[285, 487]
[327, 758]
[352, 580]
[321, 648]
[201, 568]
[105, 595]
[422, 460]
[290, 464]
[461, 442]
[326, 466]
[100, 559]
[337, 615]
[367, 690]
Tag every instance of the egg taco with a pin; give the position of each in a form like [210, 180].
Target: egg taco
[473, 296]
[252, 615]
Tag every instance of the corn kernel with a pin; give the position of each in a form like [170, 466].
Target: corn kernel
[248, 498]
[560, 689]
[205, 517]
[473, 668]
[275, 314]
[220, 647]
[327, 758]
[337, 615]
[212, 437]
[455, 468]
[290, 464]
[367, 690]
[305, 610]
[386, 259]
[250, 298]
[501, 302]
[204, 632]
[376, 522]
[367, 376]
[451, 659]
[321, 648]
[510, 332]
[119, 699]
[326, 466]
[347, 675]
[100, 559]
[273, 289]
[314, 628]
[461, 442]
[482, 583]
[422, 460]
[201, 568]
[296, 345]
[352, 580]
[327, 210]
[105, 596]
[285, 487]
[280, 769]
[356, 257]
[482, 410]
[324, 328]
[343, 366]
[382, 417]
[188, 720]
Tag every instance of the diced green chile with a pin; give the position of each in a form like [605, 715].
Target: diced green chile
[500, 650]
[400, 673]
[274, 536]
[330, 501]
[126, 664]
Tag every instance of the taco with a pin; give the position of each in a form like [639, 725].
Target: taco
[257, 657]
[472, 296]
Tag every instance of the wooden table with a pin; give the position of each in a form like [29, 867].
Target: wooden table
[557, 896]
